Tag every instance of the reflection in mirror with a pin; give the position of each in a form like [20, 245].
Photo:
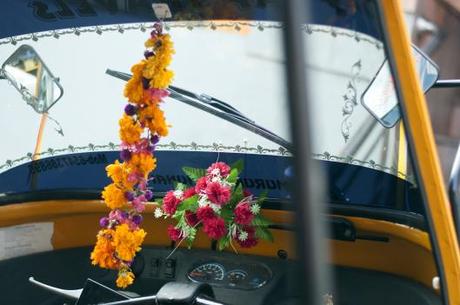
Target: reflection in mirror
[32, 78]
[380, 97]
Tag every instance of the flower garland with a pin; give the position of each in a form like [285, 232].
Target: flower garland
[141, 126]
[218, 204]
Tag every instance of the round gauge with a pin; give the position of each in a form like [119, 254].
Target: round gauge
[207, 273]
[236, 276]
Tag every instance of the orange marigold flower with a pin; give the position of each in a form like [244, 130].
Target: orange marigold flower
[113, 196]
[127, 242]
[153, 118]
[134, 90]
[130, 130]
[143, 163]
[103, 252]
[120, 175]
[125, 278]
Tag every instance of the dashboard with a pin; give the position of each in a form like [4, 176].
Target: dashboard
[236, 279]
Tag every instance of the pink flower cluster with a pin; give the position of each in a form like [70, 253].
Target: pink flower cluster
[213, 193]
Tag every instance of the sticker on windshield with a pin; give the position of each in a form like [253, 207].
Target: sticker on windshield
[161, 10]
[25, 239]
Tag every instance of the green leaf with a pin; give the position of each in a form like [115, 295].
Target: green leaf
[262, 197]
[189, 204]
[226, 213]
[194, 173]
[260, 221]
[223, 243]
[180, 186]
[238, 165]
[233, 177]
[264, 233]
[159, 201]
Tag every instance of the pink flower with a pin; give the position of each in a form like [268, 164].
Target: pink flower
[191, 218]
[201, 184]
[170, 203]
[243, 214]
[217, 193]
[247, 193]
[251, 239]
[189, 192]
[138, 204]
[174, 233]
[215, 227]
[222, 168]
[204, 213]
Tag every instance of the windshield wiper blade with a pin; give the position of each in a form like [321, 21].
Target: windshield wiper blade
[217, 108]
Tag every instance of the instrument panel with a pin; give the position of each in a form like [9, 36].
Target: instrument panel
[230, 273]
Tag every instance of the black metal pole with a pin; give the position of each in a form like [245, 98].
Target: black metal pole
[307, 182]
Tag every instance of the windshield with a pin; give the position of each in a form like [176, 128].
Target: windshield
[237, 61]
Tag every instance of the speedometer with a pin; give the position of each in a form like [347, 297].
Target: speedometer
[208, 272]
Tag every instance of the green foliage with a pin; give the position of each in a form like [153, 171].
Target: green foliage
[223, 243]
[189, 204]
[238, 165]
[264, 233]
[194, 173]
[260, 221]
[233, 176]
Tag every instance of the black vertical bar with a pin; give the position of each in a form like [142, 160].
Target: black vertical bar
[307, 182]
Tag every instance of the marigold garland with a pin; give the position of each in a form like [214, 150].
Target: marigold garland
[141, 126]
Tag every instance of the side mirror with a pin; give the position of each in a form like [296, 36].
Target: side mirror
[27, 72]
[380, 96]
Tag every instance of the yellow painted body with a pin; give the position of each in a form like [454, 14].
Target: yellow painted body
[420, 134]
[76, 225]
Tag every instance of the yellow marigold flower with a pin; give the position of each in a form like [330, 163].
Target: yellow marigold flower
[130, 130]
[113, 197]
[103, 252]
[127, 242]
[125, 278]
[143, 163]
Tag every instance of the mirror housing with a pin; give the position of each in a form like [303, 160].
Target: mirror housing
[27, 72]
[380, 97]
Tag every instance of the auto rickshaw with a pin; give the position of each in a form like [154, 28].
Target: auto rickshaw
[312, 111]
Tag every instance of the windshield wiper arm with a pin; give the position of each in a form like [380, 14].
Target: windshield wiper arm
[217, 108]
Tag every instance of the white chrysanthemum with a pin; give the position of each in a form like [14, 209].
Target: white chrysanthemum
[243, 236]
[203, 201]
[158, 213]
[255, 209]
[216, 179]
[215, 172]
[215, 207]
[178, 193]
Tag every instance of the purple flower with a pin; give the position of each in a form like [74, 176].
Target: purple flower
[145, 83]
[137, 219]
[148, 54]
[124, 215]
[155, 139]
[151, 149]
[104, 222]
[148, 195]
[125, 155]
[130, 109]
[130, 196]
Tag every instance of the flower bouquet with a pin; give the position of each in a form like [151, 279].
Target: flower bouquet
[218, 204]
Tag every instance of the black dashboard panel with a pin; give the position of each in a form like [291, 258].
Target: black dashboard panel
[265, 281]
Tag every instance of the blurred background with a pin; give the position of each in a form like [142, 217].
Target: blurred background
[434, 27]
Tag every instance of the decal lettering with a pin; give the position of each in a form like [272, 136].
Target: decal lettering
[40, 166]
[41, 11]
[65, 11]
